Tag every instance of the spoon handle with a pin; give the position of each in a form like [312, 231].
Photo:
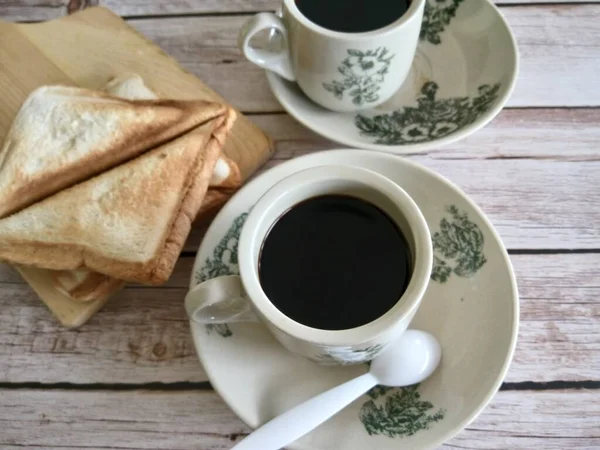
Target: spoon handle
[305, 417]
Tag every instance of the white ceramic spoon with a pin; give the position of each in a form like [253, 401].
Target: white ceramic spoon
[408, 361]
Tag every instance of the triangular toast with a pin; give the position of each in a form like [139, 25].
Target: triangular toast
[64, 135]
[84, 285]
[129, 222]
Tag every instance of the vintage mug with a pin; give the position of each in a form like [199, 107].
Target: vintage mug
[339, 71]
[348, 346]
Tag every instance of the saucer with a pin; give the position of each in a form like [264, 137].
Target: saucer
[471, 306]
[464, 70]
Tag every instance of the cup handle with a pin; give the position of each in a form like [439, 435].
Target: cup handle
[219, 300]
[278, 62]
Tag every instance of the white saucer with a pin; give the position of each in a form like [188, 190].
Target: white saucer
[471, 306]
[464, 71]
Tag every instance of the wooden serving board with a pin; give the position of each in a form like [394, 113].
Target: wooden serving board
[88, 49]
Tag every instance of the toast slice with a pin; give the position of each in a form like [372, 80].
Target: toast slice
[84, 285]
[130, 222]
[132, 87]
[77, 133]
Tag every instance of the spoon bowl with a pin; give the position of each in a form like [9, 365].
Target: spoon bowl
[407, 361]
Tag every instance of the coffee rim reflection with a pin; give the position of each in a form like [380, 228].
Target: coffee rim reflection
[408, 16]
[414, 229]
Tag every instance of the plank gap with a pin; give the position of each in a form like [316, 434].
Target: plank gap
[563, 3]
[206, 386]
[155, 386]
[557, 251]
[194, 14]
[550, 385]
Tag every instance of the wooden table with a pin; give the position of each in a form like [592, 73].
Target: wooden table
[130, 378]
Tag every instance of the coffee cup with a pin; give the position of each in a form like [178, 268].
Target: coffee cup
[326, 346]
[341, 71]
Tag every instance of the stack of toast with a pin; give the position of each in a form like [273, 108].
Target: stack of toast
[101, 188]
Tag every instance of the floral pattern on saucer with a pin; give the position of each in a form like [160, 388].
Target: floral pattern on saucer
[431, 119]
[224, 261]
[436, 16]
[396, 412]
[457, 246]
[363, 72]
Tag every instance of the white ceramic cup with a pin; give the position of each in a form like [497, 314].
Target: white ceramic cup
[355, 345]
[340, 71]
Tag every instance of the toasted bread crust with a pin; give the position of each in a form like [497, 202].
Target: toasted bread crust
[92, 132]
[193, 200]
[158, 269]
[92, 285]
[200, 152]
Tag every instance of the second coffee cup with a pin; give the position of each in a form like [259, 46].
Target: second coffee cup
[340, 70]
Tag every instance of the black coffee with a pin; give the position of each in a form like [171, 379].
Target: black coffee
[334, 262]
[353, 16]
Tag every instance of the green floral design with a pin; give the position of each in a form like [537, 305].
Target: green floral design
[436, 16]
[223, 262]
[458, 247]
[363, 72]
[397, 412]
[431, 119]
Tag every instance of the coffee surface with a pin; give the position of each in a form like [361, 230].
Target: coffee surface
[352, 16]
[334, 262]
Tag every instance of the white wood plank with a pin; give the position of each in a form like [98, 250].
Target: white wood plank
[522, 169]
[162, 7]
[559, 55]
[534, 204]
[8, 275]
[35, 10]
[32, 10]
[549, 134]
[58, 419]
[142, 335]
[549, 420]
[559, 333]
[559, 48]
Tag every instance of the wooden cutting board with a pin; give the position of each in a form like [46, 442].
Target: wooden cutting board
[88, 49]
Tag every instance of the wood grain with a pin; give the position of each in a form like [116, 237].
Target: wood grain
[522, 169]
[557, 134]
[142, 335]
[61, 419]
[542, 134]
[558, 54]
[559, 47]
[35, 10]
